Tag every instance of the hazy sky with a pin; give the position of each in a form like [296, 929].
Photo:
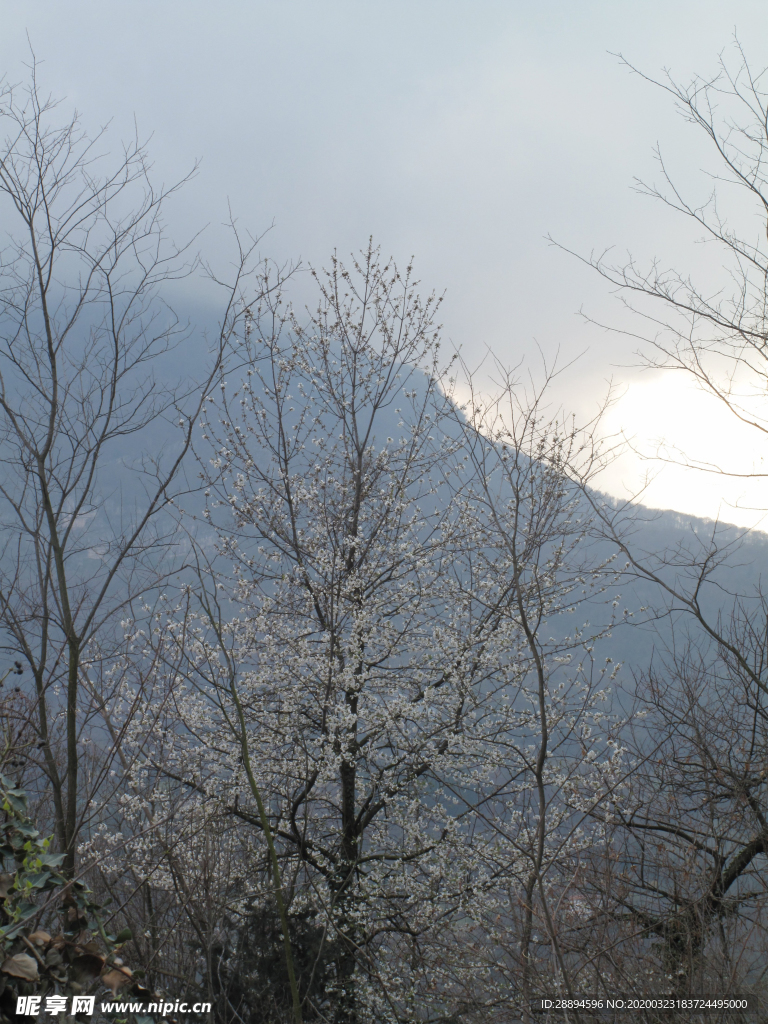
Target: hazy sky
[460, 132]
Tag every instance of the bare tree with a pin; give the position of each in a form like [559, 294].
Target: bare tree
[714, 336]
[89, 452]
[562, 762]
[691, 841]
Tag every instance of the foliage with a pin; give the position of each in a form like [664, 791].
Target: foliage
[81, 957]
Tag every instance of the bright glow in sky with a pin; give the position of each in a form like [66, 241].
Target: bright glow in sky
[461, 132]
[669, 406]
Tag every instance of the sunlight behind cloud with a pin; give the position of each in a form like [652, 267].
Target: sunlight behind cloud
[670, 425]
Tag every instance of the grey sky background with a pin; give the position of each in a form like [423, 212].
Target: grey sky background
[459, 132]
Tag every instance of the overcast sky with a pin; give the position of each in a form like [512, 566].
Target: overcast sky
[461, 132]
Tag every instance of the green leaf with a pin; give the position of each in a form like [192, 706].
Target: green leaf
[124, 936]
[25, 909]
[51, 860]
[12, 930]
[37, 879]
[13, 804]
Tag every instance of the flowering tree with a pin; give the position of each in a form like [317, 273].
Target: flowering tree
[363, 674]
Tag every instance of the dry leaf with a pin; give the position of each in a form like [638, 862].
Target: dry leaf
[115, 980]
[39, 938]
[87, 967]
[53, 958]
[21, 966]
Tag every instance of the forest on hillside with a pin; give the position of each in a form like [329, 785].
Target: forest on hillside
[331, 696]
